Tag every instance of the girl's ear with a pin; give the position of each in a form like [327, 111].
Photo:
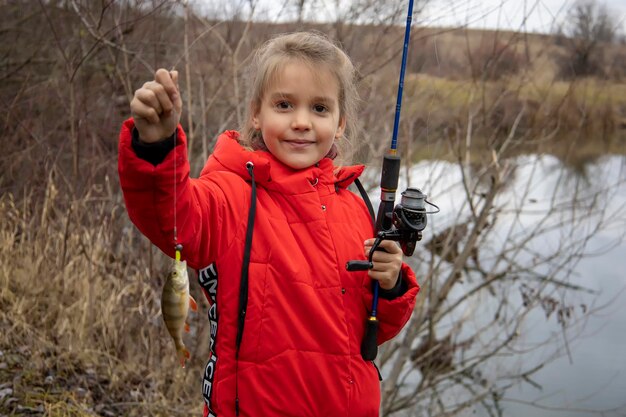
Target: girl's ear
[340, 128]
[254, 111]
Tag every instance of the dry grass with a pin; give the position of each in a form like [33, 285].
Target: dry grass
[82, 332]
[545, 118]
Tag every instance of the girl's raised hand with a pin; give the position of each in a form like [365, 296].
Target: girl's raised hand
[157, 106]
[387, 263]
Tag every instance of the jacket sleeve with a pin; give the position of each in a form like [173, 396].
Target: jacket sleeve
[149, 196]
[393, 314]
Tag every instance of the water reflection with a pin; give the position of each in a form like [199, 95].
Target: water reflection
[590, 374]
[534, 313]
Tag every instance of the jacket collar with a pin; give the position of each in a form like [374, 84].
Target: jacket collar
[270, 173]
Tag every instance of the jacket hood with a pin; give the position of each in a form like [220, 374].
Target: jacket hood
[271, 173]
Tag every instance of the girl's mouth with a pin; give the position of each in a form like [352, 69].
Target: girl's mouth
[299, 143]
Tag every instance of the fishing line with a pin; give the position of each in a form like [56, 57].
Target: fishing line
[177, 246]
[200, 36]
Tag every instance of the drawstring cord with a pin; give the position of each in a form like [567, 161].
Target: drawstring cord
[243, 290]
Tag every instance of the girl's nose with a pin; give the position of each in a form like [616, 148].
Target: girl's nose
[301, 120]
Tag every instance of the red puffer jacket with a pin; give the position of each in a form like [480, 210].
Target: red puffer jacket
[305, 318]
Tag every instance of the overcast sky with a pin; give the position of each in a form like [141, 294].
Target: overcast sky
[509, 14]
[541, 15]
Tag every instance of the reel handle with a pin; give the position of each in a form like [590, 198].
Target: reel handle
[359, 265]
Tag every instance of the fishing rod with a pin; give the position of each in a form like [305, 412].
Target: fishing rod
[403, 222]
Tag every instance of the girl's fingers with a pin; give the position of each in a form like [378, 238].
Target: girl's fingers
[161, 94]
[381, 276]
[385, 279]
[174, 76]
[387, 262]
[140, 110]
[381, 256]
[169, 81]
[390, 246]
[156, 106]
[164, 77]
[176, 100]
[382, 266]
[148, 97]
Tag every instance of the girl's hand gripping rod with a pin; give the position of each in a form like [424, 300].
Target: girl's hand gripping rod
[404, 222]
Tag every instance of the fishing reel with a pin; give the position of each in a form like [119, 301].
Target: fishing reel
[408, 219]
[402, 223]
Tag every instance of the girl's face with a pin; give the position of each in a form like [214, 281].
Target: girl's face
[299, 115]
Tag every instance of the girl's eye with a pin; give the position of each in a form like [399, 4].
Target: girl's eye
[283, 105]
[320, 108]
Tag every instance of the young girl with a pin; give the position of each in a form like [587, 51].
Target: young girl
[270, 225]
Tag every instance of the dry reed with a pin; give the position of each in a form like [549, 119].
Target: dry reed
[82, 332]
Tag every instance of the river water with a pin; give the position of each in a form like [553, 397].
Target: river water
[592, 378]
[578, 211]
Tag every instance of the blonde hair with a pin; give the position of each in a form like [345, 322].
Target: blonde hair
[312, 49]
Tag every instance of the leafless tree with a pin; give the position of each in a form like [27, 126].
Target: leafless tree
[588, 28]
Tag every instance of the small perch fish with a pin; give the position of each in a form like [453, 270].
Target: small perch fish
[175, 305]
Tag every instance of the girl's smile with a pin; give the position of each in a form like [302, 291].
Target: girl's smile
[299, 144]
[299, 116]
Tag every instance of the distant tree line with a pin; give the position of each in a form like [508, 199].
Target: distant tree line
[586, 34]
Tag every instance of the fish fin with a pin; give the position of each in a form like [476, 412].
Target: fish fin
[192, 304]
[183, 355]
[187, 328]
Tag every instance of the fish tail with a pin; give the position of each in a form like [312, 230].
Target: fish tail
[192, 304]
[183, 355]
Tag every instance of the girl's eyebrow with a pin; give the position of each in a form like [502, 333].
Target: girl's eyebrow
[289, 96]
[281, 96]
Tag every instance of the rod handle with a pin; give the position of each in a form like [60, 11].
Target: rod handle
[369, 346]
[390, 172]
